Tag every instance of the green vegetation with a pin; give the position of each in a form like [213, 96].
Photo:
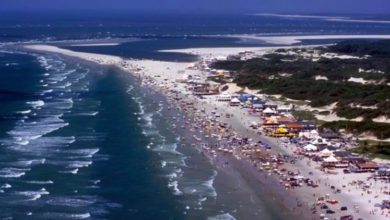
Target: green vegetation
[380, 130]
[304, 115]
[374, 149]
[359, 47]
[268, 73]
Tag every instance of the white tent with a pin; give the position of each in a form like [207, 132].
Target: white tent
[331, 159]
[268, 111]
[326, 153]
[310, 147]
[235, 102]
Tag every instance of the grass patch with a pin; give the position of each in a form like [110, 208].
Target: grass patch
[304, 115]
[373, 149]
[380, 130]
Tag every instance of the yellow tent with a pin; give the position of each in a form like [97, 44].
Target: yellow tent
[281, 130]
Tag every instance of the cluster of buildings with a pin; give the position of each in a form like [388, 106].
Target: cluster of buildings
[208, 82]
[327, 147]
[329, 151]
[276, 120]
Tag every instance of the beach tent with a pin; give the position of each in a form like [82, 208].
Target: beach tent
[235, 102]
[331, 159]
[310, 147]
[326, 153]
[268, 111]
[281, 130]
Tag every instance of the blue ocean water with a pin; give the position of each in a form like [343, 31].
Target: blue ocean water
[57, 25]
[72, 146]
[81, 141]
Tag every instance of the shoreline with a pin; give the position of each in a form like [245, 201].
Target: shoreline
[155, 73]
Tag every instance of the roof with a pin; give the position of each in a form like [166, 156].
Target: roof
[342, 153]
[285, 119]
[353, 159]
[270, 121]
[331, 159]
[367, 165]
[294, 125]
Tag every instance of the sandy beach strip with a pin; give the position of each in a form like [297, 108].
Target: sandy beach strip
[97, 58]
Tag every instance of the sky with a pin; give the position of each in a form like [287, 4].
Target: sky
[250, 6]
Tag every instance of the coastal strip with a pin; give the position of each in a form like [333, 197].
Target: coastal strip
[164, 76]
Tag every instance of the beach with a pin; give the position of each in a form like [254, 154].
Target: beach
[251, 183]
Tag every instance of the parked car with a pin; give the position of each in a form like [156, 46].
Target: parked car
[346, 217]
[324, 207]
[329, 211]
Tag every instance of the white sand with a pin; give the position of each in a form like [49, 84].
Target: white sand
[318, 77]
[222, 51]
[98, 58]
[372, 107]
[372, 138]
[233, 88]
[381, 119]
[333, 117]
[329, 107]
[358, 80]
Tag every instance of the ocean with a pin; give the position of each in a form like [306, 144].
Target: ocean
[81, 141]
